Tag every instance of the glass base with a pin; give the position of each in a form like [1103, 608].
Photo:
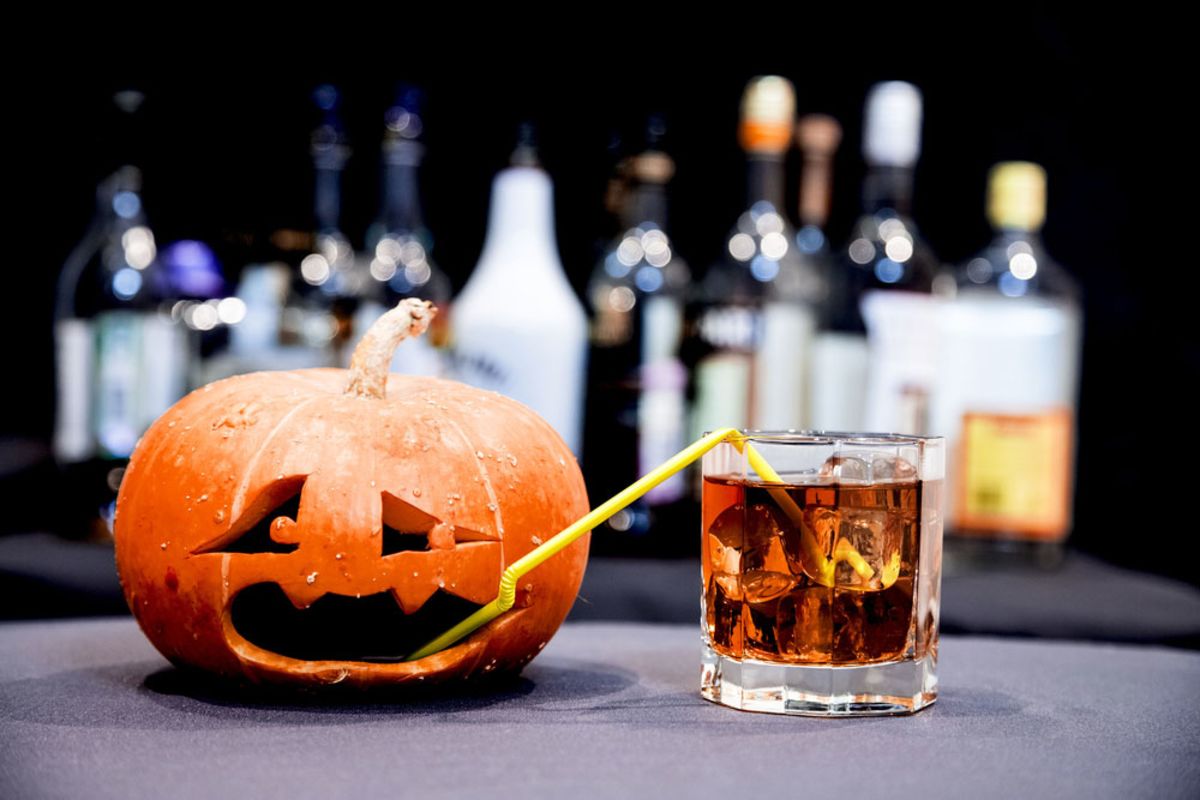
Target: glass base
[897, 687]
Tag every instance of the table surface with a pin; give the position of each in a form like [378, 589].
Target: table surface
[88, 708]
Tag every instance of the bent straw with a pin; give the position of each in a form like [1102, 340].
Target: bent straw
[508, 580]
[507, 594]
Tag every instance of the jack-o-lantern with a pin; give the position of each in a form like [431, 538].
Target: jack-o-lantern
[317, 526]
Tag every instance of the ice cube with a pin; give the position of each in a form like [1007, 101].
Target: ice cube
[808, 547]
[763, 586]
[805, 625]
[891, 468]
[727, 527]
[762, 547]
[846, 468]
[725, 538]
[873, 468]
[860, 547]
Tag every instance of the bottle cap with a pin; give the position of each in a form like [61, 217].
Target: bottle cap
[892, 132]
[818, 135]
[1017, 195]
[652, 166]
[768, 113]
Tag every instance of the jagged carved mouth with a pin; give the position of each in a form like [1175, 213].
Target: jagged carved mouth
[371, 628]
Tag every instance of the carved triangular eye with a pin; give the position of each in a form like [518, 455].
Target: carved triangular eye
[404, 527]
[279, 505]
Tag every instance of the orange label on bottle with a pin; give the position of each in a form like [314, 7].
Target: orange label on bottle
[1015, 475]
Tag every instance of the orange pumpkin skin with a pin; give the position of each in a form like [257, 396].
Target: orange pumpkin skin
[494, 476]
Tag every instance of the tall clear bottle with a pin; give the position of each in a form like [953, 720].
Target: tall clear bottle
[1008, 378]
[121, 359]
[751, 326]
[518, 327]
[401, 259]
[891, 270]
[636, 410]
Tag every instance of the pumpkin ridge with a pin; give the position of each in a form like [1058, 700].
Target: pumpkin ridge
[486, 478]
[237, 502]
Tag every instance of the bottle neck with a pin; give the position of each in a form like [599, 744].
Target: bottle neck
[816, 189]
[888, 187]
[1009, 234]
[649, 205]
[327, 198]
[520, 227]
[764, 180]
[401, 193]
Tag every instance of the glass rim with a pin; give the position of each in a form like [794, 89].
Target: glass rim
[817, 437]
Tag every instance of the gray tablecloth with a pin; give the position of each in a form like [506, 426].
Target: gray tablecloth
[88, 709]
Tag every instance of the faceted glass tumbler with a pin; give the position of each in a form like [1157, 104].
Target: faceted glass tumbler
[821, 572]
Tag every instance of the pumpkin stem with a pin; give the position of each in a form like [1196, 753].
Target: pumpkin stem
[373, 355]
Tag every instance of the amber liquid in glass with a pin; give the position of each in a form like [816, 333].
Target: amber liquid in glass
[815, 573]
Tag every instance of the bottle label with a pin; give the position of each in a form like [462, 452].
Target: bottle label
[74, 351]
[724, 379]
[118, 350]
[837, 386]
[163, 367]
[722, 392]
[780, 401]
[902, 337]
[1015, 475]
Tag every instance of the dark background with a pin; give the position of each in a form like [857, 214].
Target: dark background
[224, 148]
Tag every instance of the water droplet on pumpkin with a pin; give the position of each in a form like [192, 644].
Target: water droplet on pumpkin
[338, 556]
[561, 462]
[491, 506]
[540, 646]
[416, 492]
[219, 516]
[312, 578]
[537, 540]
[171, 424]
[372, 484]
[178, 461]
[202, 498]
[415, 574]
[163, 546]
[441, 583]
[479, 454]
[512, 460]
[279, 477]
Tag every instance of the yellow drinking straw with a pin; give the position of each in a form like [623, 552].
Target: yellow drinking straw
[507, 594]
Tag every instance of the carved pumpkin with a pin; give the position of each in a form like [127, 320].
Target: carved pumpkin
[315, 526]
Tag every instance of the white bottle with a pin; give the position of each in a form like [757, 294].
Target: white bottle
[518, 327]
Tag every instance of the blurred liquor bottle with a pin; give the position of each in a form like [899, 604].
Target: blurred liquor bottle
[299, 288]
[1008, 377]
[121, 359]
[838, 358]
[636, 413]
[891, 271]
[518, 327]
[333, 281]
[399, 244]
[751, 324]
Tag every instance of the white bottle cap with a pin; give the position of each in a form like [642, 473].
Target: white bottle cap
[892, 129]
[768, 114]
